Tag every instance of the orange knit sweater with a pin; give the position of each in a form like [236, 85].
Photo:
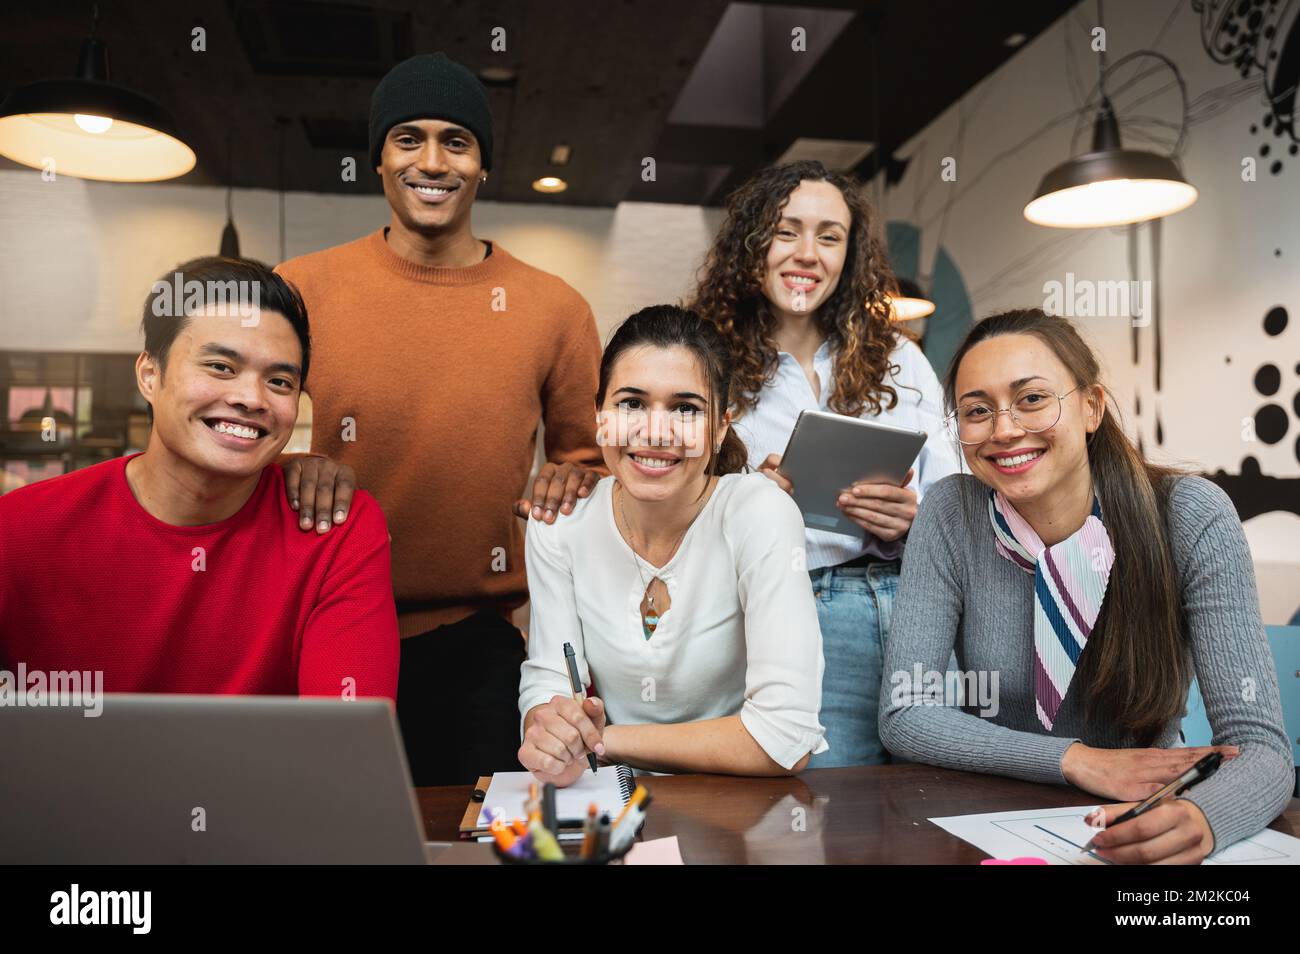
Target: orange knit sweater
[430, 383]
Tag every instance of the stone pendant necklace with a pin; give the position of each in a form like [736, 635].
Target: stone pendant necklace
[649, 617]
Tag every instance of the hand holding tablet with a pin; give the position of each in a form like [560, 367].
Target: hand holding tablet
[832, 458]
[886, 510]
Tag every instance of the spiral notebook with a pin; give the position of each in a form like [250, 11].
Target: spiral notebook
[610, 788]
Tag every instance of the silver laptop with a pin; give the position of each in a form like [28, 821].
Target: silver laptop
[177, 779]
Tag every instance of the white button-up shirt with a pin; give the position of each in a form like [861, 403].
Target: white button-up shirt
[767, 428]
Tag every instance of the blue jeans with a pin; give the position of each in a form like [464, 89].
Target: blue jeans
[854, 604]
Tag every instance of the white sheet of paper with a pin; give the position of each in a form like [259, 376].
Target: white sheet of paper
[1057, 835]
[508, 790]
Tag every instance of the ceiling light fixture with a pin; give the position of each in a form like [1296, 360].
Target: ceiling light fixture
[908, 301]
[1111, 185]
[91, 128]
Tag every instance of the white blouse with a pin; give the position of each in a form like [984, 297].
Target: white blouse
[740, 636]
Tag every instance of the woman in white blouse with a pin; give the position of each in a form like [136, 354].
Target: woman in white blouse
[679, 581]
[797, 283]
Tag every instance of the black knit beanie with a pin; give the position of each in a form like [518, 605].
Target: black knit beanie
[430, 86]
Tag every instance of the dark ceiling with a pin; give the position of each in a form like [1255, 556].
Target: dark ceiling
[602, 76]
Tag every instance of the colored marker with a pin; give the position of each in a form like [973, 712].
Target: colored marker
[589, 827]
[544, 843]
[626, 831]
[638, 796]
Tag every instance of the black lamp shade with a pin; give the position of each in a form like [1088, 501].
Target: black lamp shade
[1110, 185]
[1114, 187]
[38, 124]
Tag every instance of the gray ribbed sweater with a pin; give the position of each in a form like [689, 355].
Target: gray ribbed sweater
[957, 593]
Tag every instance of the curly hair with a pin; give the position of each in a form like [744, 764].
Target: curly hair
[854, 319]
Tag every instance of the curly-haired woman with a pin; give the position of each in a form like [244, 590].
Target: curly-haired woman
[797, 282]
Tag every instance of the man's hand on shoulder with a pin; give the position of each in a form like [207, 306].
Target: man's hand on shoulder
[317, 486]
[556, 489]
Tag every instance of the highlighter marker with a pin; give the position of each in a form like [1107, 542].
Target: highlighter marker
[544, 843]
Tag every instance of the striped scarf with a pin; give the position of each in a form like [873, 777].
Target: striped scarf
[1070, 580]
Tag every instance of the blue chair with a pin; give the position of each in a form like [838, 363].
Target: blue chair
[1285, 643]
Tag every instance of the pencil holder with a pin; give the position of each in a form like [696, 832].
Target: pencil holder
[571, 856]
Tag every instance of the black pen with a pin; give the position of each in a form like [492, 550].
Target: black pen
[549, 821]
[575, 684]
[1197, 773]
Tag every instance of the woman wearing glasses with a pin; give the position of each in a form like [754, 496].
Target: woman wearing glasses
[1095, 585]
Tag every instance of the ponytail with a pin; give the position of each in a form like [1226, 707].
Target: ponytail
[1140, 672]
[733, 458]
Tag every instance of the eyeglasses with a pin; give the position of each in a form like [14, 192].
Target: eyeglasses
[1033, 409]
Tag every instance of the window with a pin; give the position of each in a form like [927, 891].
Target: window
[62, 412]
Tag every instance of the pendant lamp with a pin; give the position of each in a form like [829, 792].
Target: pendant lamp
[91, 128]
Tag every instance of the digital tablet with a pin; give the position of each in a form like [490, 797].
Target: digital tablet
[829, 452]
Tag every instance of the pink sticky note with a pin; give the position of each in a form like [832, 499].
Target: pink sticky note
[658, 851]
[1013, 861]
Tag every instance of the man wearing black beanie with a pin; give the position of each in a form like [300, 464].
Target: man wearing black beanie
[435, 356]
[402, 116]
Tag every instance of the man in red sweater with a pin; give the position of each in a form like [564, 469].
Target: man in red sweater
[182, 569]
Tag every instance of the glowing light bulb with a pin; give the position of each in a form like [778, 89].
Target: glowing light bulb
[92, 124]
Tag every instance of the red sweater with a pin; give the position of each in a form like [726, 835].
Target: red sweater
[89, 580]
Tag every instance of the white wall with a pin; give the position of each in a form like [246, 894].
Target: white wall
[1219, 275]
[78, 257]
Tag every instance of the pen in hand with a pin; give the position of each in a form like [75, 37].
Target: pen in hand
[575, 686]
[1197, 773]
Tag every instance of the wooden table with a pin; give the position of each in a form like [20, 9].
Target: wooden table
[871, 814]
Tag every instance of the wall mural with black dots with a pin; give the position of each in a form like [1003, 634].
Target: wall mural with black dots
[1260, 37]
[1253, 491]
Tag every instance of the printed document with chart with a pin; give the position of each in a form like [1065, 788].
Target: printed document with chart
[1057, 835]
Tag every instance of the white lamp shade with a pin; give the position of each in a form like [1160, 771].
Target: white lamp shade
[125, 152]
[1111, 202]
